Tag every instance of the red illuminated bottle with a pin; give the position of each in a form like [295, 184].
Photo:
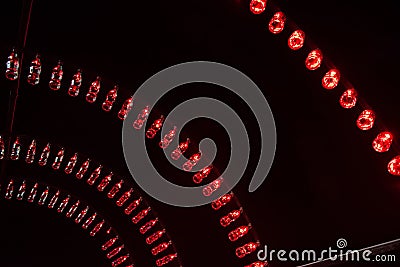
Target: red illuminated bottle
[83, 169]
[63, 204]
[132, 206]
[110, 99]
[193, 160]
[115, 189]
[30, 155]
[54, 200]
[154, 237]
[95, 174]
[12, 66]
[202, 174]
[82, 214]
[214, 185]
[277, 23]
[160, 248]
[58, 159]
[166, 259]
[120, 260]
[246, 249]
[97, 228]
[125, 196]
[177, 153]
[21, 190]
[230, 217]
[105, 182]
[34, 71]
[126, 107]
[43, 196]
[114, 252]
[76, 83]
[10, 189]
[138, 217]
[155, 127]
[15, 150]
[71, 164]
[45, 155]
[32, 194]
[109, 243]
[222, 201]
[94, 89]
[167, 139]
[238, 233]
[147, 226]
[72, 209]
[141, 118]
[56, 76]
[89, 221]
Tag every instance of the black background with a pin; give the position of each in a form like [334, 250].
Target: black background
[326, 182]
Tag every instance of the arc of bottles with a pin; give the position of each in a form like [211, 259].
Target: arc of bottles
[330, 80]
[126, 197]
[71, 208]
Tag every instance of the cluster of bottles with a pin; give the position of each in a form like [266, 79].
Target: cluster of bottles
[114, 251]
[55, 200]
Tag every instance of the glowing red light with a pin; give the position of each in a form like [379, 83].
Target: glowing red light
[93, 91]
[12, 66]
[21, 190]
[331, 79]
[126, 107]
[258, 6]
[138, 217]
[202, 174]
[83, 169]
[277, 23]
[56, 77]
[383, 142]
[222, 201]
[155, 127]
[110, 99]
[43, 196]
[141, 118]
[366, 120]
[164, 143]
[193, 160]
[32, 194]
[44, 156]
[160, 248]
[2, 148]
[119, 261]
[314, 59]
[177, 153]
[15, 150]
[166, 259]
[115, 189]
[30, 155]
[258, 264]
[246, 249]
[71, 164]
[54, 200]
[58, 159]
[97, 228]
[230, 218]
[125, 196]
[72, 209]
[104, 182]
[394, 166]
[10, 189]
[89, 221]
[208, 190]
[82, 214]
[75, 83]
[348, 98]
[34, 71]
[238, 233]
[147, 226]
[114, 252]
[154, 237]
[132, 206]
[296, 40]
[63, 204]
[109, 243]
[95, 174]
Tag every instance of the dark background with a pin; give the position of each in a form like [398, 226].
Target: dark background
[326, 182]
